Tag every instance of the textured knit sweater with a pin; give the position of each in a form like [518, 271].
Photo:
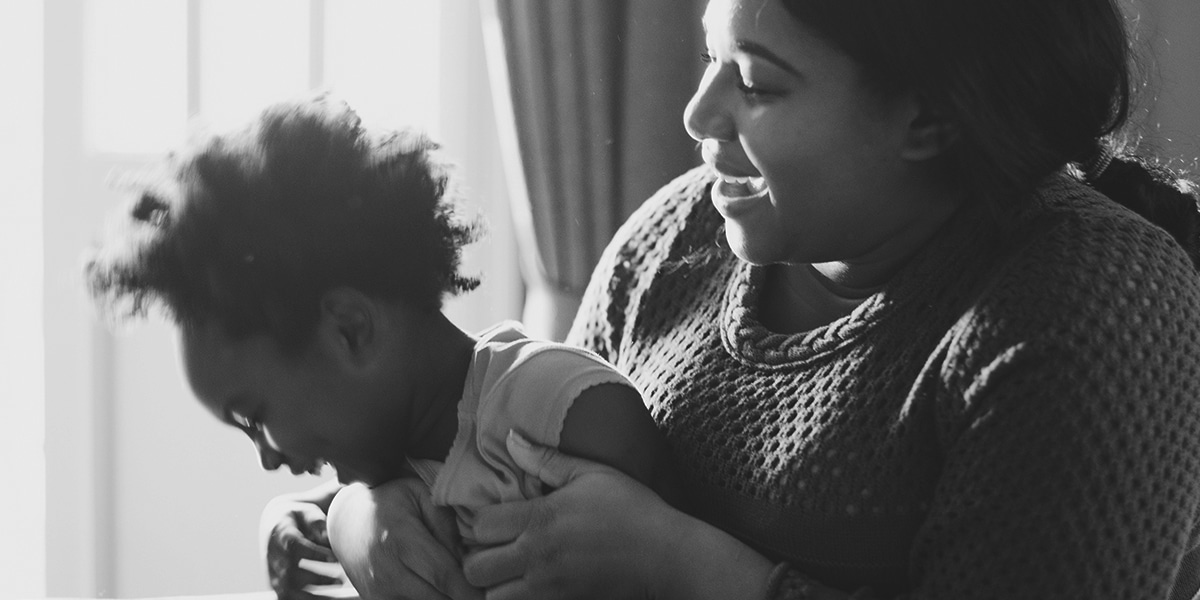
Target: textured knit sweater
[1012, 416]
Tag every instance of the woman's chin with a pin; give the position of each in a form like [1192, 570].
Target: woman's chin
[744, 247]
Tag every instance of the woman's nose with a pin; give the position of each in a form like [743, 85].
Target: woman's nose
[706, 116]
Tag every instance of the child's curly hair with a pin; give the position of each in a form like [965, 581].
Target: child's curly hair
[251, 228]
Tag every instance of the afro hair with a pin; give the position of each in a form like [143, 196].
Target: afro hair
[250, 228]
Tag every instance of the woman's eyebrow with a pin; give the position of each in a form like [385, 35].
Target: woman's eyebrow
[762, 52]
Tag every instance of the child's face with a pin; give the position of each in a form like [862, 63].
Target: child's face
[300, 411]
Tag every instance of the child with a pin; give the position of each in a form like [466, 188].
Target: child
[304, 261]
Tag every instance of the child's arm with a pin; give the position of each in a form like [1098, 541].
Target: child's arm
[608, 423]
[292, 528]
[394, 543]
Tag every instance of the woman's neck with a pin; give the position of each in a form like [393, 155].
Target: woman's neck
[799, 298]
[802, 297]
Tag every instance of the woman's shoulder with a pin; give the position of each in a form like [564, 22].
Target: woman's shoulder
[1076, 256]
[1086, 234]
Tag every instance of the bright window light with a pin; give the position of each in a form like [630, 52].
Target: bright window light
[23, 427]
[135, 75]
[252, 53]
[386, 66]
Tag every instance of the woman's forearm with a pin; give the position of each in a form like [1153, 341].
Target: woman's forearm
[707, 563]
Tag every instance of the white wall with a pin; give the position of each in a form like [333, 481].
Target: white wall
[22, 417]
[1172, 63]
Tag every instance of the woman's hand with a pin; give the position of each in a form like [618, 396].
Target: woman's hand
[394, 543]
[295, 530]
[602, 534]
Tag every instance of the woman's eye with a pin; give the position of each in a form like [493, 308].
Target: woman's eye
[753, 93]
[706, 57]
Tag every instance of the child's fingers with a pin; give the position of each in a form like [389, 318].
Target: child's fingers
[309, 573]
[305, 575]
[298, 547]
[316, 531]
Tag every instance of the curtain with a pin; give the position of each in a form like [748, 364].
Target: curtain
[593, 93]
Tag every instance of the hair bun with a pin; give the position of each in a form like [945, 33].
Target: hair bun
[1155, 192]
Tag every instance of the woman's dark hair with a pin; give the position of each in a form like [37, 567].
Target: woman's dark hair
[1028, 85]
[249, 229]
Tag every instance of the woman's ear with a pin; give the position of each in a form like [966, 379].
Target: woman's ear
[349, 323]
[929, 132]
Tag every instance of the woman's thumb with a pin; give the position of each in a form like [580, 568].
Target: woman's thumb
[549, 465]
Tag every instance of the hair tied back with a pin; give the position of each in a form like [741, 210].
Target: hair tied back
[1094, 167]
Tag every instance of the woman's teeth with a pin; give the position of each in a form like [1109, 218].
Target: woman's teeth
[740, 180]
[741, 187]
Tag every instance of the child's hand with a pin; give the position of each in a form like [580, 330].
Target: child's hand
[297, 531]
[394, 543]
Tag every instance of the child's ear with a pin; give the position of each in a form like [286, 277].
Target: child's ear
[349, 320]
[929, 132]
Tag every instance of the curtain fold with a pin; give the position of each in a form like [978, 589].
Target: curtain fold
[597, 90]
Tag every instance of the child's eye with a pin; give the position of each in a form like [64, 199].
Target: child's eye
[246, 423]
[706, 57]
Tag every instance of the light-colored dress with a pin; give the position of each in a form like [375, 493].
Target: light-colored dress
[518, 383]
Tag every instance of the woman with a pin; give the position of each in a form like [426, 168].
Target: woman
[932, 355]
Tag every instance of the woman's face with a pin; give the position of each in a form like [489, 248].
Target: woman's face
[810, 158]
[299, 411]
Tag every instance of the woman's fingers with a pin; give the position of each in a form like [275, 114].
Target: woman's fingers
[515, 589]
[436, 566]
[501, 523]
[549, 465]
[491, 567]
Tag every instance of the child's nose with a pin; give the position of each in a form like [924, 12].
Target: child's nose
[268, 457]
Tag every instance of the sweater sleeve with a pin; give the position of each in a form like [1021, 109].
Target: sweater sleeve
[1068, 416]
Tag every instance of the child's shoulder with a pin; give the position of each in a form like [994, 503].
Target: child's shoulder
[505, 350]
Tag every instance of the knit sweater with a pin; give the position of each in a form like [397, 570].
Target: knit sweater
[1011, 416]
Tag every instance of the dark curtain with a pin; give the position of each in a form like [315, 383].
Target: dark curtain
[597, 91]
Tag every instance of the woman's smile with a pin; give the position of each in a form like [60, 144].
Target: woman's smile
[734, 196]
